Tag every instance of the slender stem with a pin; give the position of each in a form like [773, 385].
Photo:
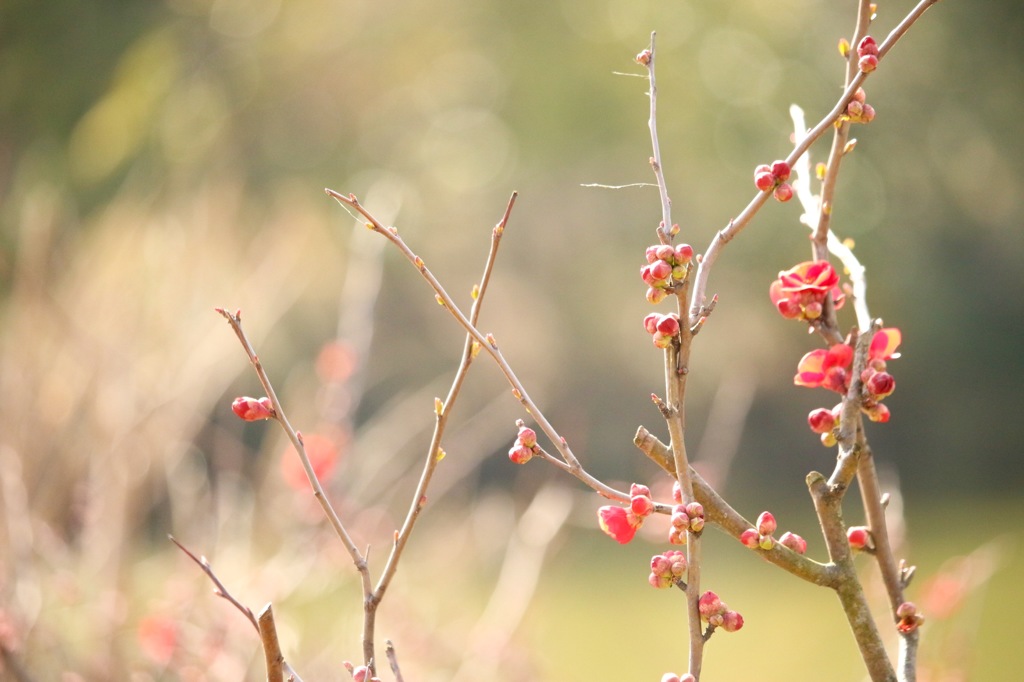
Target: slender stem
[664, 230]
[271, 645]
[443, 411]
[488, 344]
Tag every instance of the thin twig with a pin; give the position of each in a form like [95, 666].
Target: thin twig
[665, 229]
[277, 667]
[486, 343]
[389, 651]
[434, 451]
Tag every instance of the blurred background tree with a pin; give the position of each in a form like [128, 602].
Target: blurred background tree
[159, 159]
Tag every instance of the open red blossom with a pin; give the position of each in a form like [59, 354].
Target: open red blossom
[619, 523]
[825, 368]
[799, 293]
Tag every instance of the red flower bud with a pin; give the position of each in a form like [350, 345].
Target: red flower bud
[709, 604]
[766, 523]
[669, 324]
[868, 63]
[251, 409]
[794, 542]
[781, 170]
[644, 57]
[652, 253]
[527, 437]
[764, 180]
[660, 270]
[684, 253]
[520, 454]
[783, 192]
[867, 46]
[732, 621]
[641, 505]
[880, 384]
[859, 537]
[821, 420]
[750, 538]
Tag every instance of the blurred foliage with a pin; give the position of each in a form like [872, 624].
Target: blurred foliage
[159, 159]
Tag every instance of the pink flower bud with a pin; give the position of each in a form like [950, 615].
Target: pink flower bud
[669, 325]
[658, 581]
[697, 524]
[361, 674]
[687, 678]
[859, 537]
[677, 493]
[660, 270]
[680, 519]
[251, 409]
[732, 621]
[670, 677]
[651, 322]
[763, 178]
[695, 510]
[639, 489]
[646, 276]
[684, 254]
[527, 437]
[676, 536]
[854, 109]
[781, 171]
[867, 46]
[906, 609]
[651, 254]
[665, 252]
[655, 295]
[520, 454]
[751, 538]
[766, 523]
[783, 192]
[860, 95]
[880, 385]
[641, 505]
[709, 604]
[661, 564]
[868, 63]
[876, 412]
[821, 420]
[794, 542]
[644, 57]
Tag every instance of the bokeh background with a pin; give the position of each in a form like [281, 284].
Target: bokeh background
[158, 159]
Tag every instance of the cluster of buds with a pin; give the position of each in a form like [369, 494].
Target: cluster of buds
[525, 447]
[252, 409]
[667, 569]
[715, 613]
[799, 293]
[908, 619]
[672, 677]
[762, 536]
[858, 110]
[773, 179]
[621, 523]
[867, 51]
[860, 538]
[685, 518]
[665, 263]
[830, 368]
[662, 328]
